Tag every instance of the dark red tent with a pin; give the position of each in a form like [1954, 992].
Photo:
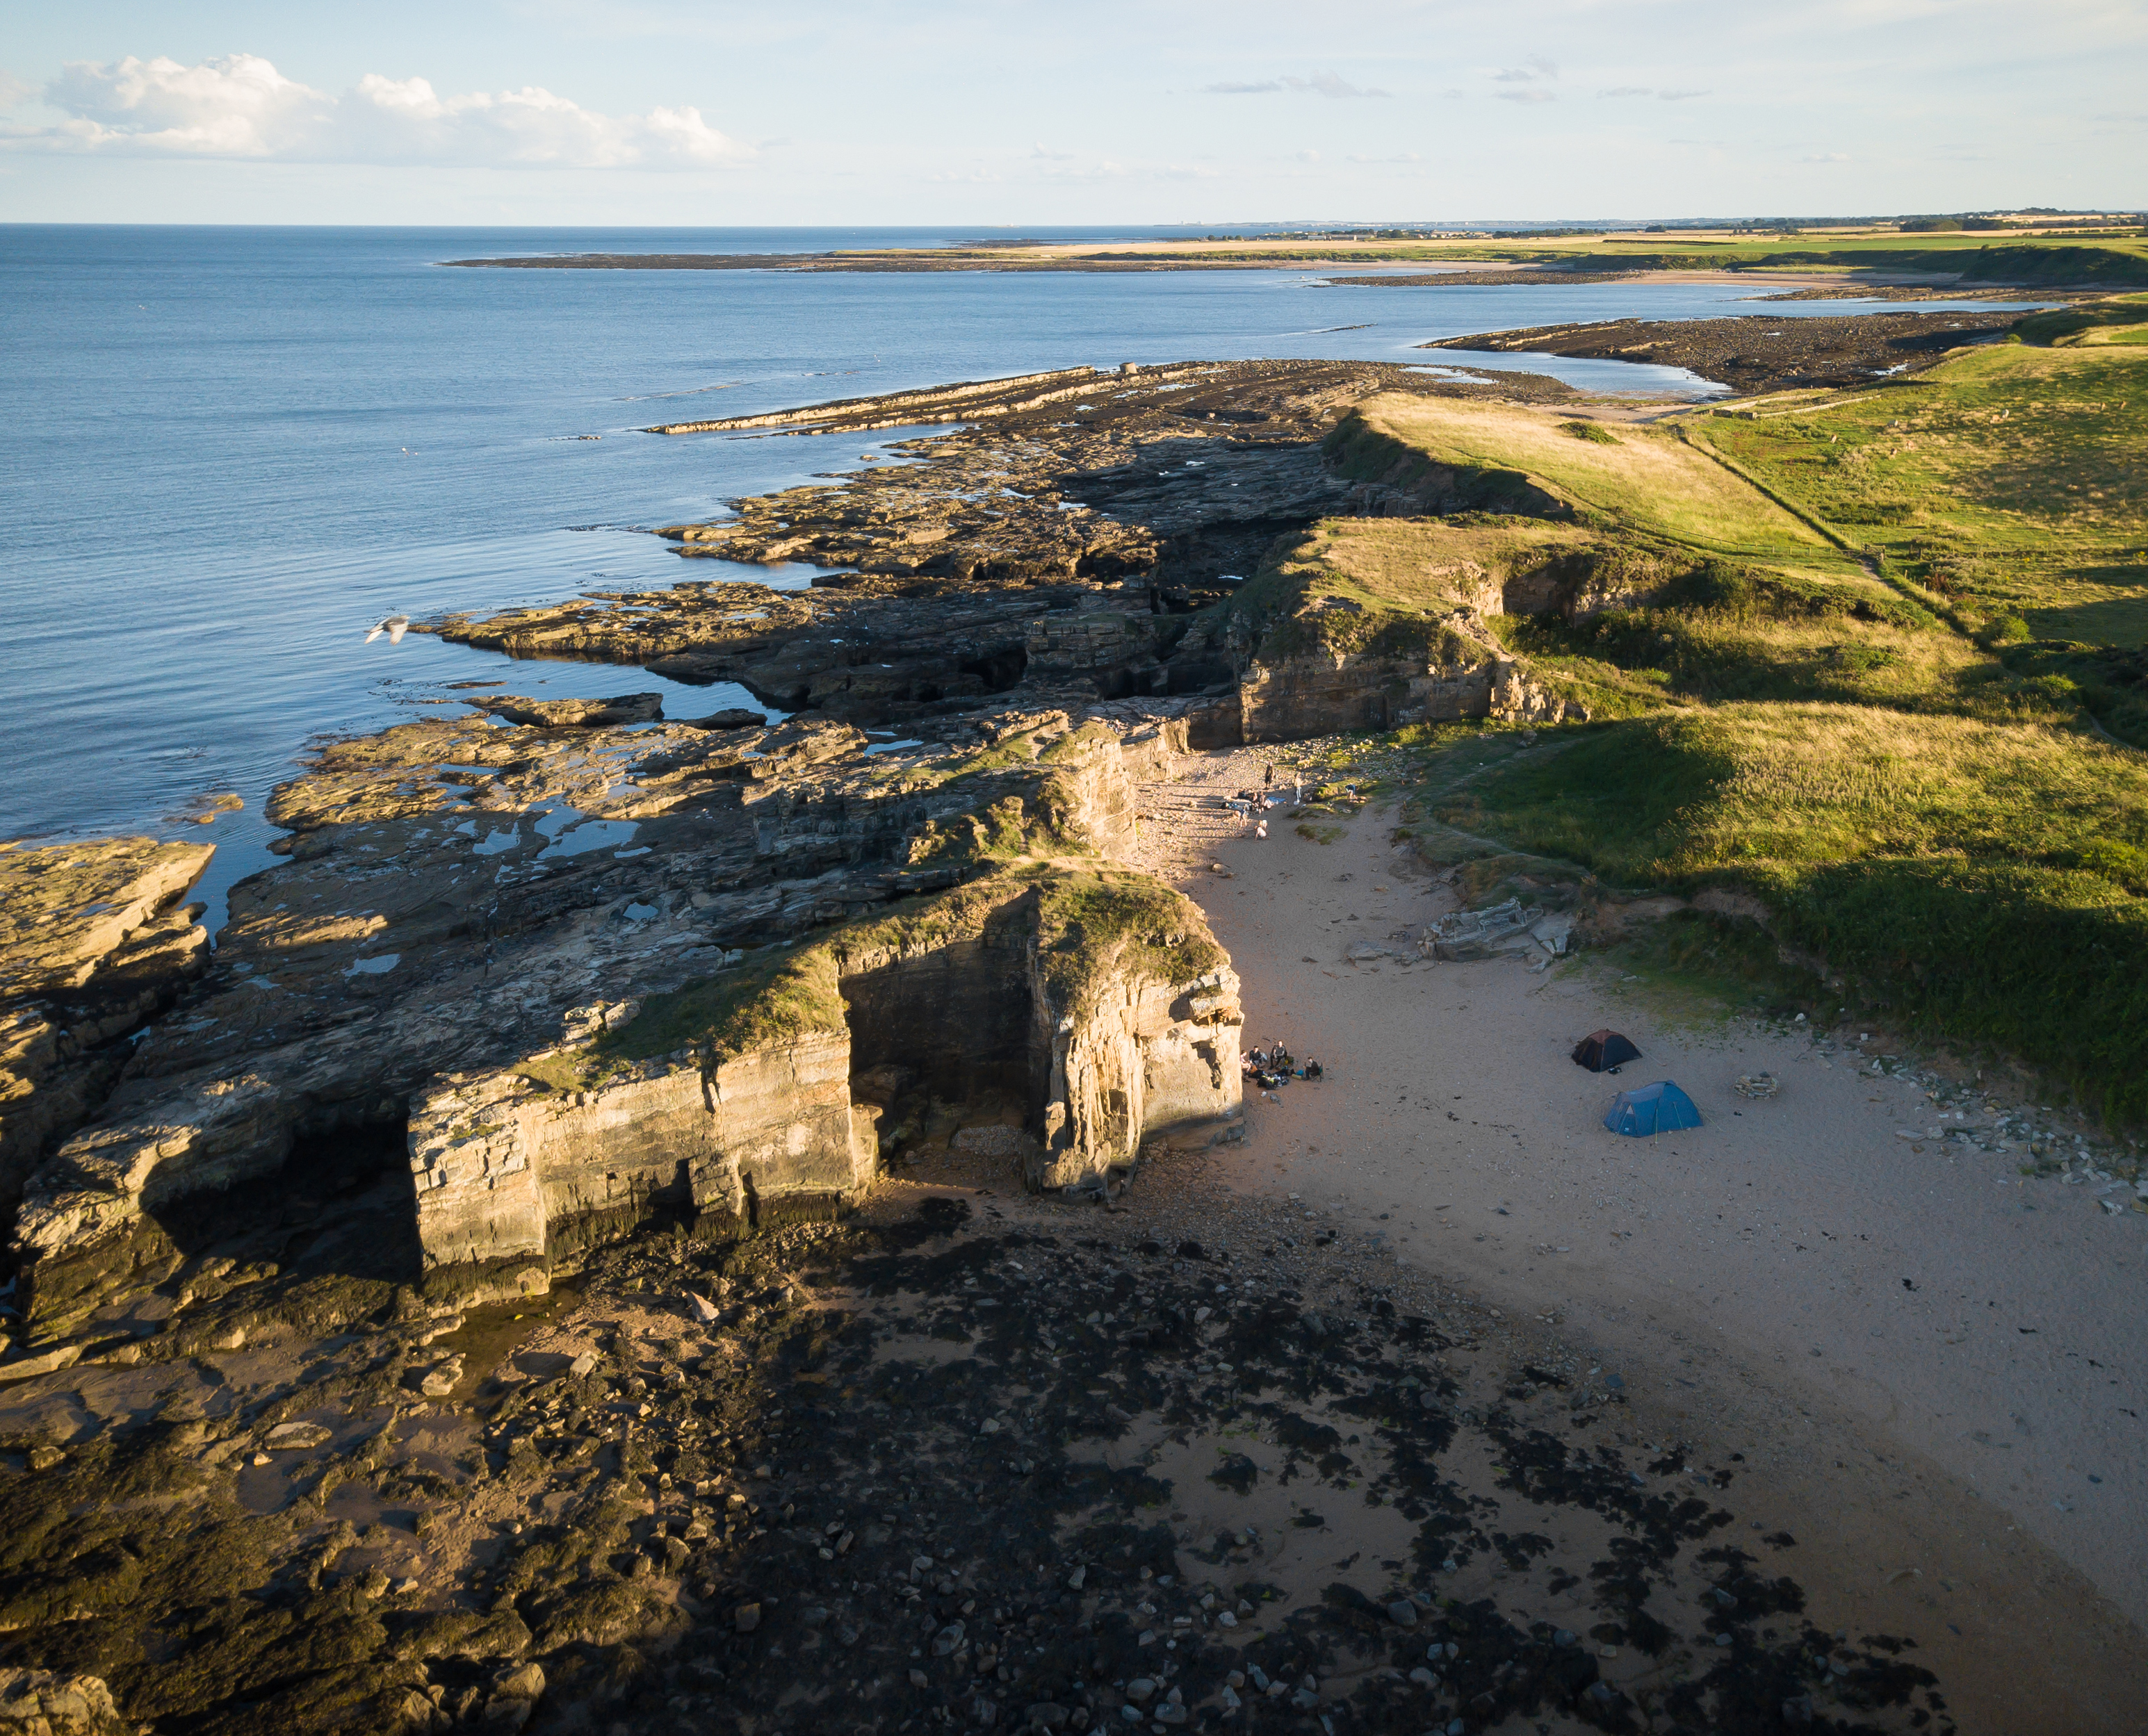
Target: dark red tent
[1601, 1050]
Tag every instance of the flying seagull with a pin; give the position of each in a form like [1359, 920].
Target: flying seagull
[394, 626]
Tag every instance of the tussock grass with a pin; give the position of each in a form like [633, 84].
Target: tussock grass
[1991, 877]
[1672, 798]
[1678, 654]
[2009, 482]
[1894, 762]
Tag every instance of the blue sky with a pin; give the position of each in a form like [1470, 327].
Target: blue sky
[960, 112]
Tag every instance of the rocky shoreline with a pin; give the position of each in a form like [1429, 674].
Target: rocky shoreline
[498, 1285]
[1761, 352]
[940, 1466]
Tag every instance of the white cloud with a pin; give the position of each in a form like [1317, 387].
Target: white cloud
[1399, 157]
[1629, 90]
[241, 106]
[1537, 67]
[1524, 96]
[1320, 84]
[1825, 157]
[1679, 96]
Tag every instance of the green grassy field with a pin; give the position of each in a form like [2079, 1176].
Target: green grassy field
[1988, 879]
[1644, 479]
[2106, 256]
[1859, 656]
[2007, 485]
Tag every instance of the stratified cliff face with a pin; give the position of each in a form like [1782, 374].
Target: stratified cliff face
[586, 975]
[1318, 692]
[586, 965]
[506, 1168]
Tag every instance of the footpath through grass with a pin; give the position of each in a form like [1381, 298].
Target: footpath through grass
[2009, 486]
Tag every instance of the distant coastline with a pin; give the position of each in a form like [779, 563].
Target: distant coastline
[1870, 258]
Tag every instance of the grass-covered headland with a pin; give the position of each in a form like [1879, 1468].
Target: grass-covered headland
[1876, 660]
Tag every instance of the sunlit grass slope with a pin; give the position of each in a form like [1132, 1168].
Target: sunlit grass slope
[2010, 485]
[1988, 876]
[1647, 479]
[1888, 761]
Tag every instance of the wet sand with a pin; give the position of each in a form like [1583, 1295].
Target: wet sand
[1934, 1360]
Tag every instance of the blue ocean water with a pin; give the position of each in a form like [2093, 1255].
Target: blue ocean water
[227, 452]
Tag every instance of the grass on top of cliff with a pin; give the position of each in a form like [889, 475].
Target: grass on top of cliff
[1648, 480]
[2008, 478]
[1097, 924]
[1092, 926]
[1990, 879]
[1715, 630]
[770, 1000]
[1375, 585]
[1725, 633]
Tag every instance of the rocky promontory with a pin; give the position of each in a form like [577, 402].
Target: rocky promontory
[500, 1285]
[1762, 352]
[534, 974]
[584, 973]
[94, 940]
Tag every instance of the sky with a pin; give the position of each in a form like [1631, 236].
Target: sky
[1020, 112]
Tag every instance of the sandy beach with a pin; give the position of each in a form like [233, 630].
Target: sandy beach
[1933, 1361]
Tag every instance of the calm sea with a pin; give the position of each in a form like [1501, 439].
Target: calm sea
[227, 452]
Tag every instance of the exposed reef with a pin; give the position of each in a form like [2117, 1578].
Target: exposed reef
[936, 1468]
[1761, 351]
[569, 971]
[1071, 547]
[533, 977]
[94, 940]
[498, 1286]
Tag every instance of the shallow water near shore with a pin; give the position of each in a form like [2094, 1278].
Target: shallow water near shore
[231, 451]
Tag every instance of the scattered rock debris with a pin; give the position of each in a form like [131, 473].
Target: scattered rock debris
[940, 1465]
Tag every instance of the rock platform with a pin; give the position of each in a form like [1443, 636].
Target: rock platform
[499, 1286]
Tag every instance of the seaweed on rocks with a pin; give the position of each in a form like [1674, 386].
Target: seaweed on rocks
[934, 1466]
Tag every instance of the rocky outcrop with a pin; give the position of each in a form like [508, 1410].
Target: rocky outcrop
[93, 941]
[1148, 1056]
[625, 708]
[1308, 681]
[496, 941]
[1092, 1001]
[505, 1166]
[42, 1702]
[1761, 351]
[1144, 496]
[523, 955]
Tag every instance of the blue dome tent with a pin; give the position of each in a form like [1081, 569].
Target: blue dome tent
[1658, 1108]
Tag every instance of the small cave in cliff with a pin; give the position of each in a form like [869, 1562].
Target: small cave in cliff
[338, 1206]
[999, 670]
[948, 1039]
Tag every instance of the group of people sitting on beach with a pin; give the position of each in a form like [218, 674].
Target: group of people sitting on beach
[1271, 1067]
